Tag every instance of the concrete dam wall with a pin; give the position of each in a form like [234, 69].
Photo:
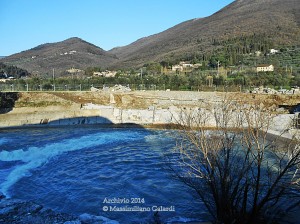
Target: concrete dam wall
[90, 114]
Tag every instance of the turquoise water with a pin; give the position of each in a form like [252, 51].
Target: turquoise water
[96, 171]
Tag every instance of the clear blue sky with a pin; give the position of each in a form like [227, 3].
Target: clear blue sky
[25, 24]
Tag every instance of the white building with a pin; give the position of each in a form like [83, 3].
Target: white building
[177, 68]
[74, 70]
[185, 66]
[106, 73]
[257, 53]
[265, 68]
[273, 51]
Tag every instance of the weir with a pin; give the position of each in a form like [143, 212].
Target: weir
[101, 115]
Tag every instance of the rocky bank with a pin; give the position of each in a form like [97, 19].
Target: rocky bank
[15, 211]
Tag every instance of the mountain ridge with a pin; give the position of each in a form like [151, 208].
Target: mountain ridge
[63, 55]
[278, 21]
[240, 18]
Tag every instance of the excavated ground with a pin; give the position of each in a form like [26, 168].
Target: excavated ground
[142, 100]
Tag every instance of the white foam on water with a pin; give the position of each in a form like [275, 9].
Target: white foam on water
[157, 137]
[34, 157]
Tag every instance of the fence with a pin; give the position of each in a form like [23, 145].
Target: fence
[5, 87]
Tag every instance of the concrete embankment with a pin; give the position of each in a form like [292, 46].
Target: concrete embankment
[98, 108]
[142, 108]
[94, 114]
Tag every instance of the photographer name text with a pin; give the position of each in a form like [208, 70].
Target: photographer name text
[116, 204]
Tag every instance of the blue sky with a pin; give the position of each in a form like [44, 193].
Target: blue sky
[106, 23]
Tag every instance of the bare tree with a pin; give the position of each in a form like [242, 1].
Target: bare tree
[240, 172]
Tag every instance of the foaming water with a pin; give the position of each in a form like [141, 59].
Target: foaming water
[75, 170]
[34, 157]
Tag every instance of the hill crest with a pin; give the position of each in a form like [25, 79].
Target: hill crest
[277, 21]
[70, 53]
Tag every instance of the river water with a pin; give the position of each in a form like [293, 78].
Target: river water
[101, 171]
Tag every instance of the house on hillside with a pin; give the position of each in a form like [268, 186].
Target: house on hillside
[265, 68]
[273, 51]
[106, 73]
[258, 53]
[177, 68]
[74, 70]
[184, 66]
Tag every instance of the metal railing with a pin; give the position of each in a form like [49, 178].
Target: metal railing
[5, 87]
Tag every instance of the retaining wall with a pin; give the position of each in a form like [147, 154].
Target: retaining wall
[53, 116]
[103, 115]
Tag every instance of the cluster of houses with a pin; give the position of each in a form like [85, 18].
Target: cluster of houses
[70, 52]
[65, 53]
[272, 51]
[74, 70]
[184, 66]
[105, 73]
[266, 67]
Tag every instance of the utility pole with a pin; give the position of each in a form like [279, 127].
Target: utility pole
[218, 63]
[142, 76]
[53, 76]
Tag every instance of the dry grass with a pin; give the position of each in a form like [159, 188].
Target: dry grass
[143, 100]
